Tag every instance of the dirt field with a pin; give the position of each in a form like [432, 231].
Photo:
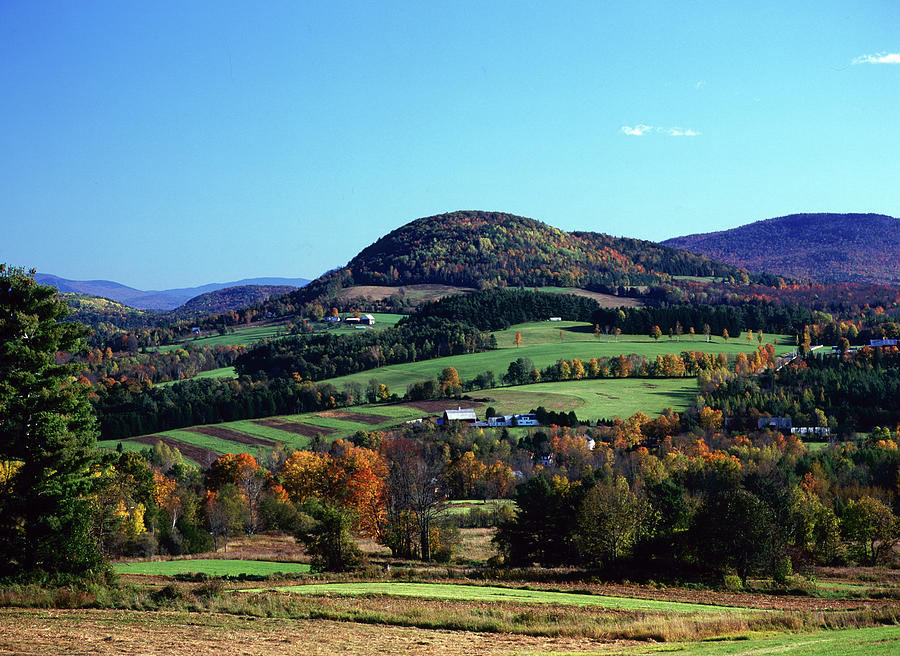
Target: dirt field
[295, 427]
[231, 435]
[607, 300]
[358, 417]
[104, 632]
[198, 454]
[419, 292]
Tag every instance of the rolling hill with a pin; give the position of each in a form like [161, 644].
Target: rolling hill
[231, 298]
[479, 249]
[167, 299]
[861, 248]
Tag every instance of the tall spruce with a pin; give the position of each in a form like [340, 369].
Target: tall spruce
[47, 438]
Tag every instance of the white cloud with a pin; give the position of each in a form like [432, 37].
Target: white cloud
[700, 84]
[880, 58]
[680, 132]
[638, 130]
[641, 129]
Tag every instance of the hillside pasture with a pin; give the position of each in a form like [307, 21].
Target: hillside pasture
[603, 398]
[240, 337]
[203, 444]
[545, 343]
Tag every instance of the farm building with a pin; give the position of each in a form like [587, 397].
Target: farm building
[466, 416]
[777, 423]
[332, 319]
[884, 342]
[555, 319]
[506, 421]
[819, 431]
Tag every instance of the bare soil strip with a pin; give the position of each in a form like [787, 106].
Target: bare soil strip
[437, 407]
[379, 292]
[358, 417]
[231, 435]
[607, 300]
[196, 453]
[31, 632]
[295, 427]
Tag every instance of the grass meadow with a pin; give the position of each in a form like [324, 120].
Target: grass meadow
[487, 593]
[210, 567]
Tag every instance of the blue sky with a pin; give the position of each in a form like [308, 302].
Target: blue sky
[171, 144]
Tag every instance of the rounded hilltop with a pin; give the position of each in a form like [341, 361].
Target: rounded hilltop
[481, 249]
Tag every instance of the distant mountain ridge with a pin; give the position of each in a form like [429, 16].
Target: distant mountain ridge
[167, 299]
[827, 247]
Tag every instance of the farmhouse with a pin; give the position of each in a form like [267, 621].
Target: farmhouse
[364, 320]
[332, 319]
[465, 416]
[506, 421]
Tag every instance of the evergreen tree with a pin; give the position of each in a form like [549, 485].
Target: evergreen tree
[47, 437]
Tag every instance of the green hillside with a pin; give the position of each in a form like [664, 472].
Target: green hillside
[544, 343]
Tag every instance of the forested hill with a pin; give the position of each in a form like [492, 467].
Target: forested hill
[493, 249]
[861, 248]
[231, 298]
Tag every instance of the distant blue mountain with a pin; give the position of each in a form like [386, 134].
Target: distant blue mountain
[166, 299]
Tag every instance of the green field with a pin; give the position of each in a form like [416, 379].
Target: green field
[211, 567]
[223, 372]
[462, 506]
[241, 336]
[542, 343]
[878, 641]
[491, 593]
[602, 398]
[382, 320]
[384, 416]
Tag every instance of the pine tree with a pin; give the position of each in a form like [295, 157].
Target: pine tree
[47, 437]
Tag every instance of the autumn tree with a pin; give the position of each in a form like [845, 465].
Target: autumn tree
[655, 332]
[415, 496]
[49, 437]
[518, 339]
[610, 521]
[449, 382]
[325, 533]
[872, 528]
